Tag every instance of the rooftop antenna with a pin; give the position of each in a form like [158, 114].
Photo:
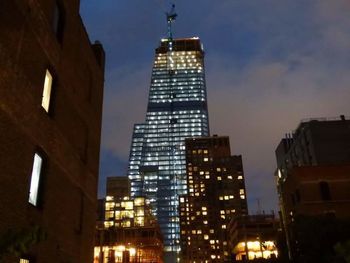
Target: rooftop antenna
[170, 17]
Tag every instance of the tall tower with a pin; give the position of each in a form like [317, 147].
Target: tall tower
[177, 109]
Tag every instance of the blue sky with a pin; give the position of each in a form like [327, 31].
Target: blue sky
[269, 64]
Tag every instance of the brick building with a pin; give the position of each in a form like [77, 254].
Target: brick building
[216, 193]
[313, 167]
[51, 92]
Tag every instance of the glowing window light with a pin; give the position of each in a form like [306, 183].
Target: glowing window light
[35, 179]
[45, 103]
[22, 260]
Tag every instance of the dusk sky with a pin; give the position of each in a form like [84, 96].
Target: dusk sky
[269, 64]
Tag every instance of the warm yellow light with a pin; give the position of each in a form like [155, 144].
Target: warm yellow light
[132, 251]
[139, 201]
[45, 103]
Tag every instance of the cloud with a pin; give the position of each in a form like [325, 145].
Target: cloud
[269, 64]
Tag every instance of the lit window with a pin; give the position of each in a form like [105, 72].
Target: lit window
[45, 103]
[35, 179]
[223, 226]
[206, 237]
[205, 159]
[23, 260]
[240, 177]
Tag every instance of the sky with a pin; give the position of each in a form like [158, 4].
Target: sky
[269, 64]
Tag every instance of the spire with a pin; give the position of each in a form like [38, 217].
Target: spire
[170, 17]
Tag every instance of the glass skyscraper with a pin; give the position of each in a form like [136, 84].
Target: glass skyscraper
[177, 109]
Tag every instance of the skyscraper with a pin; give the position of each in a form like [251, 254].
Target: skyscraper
[177, 109]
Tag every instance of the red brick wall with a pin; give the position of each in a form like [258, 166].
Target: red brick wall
[69, 135]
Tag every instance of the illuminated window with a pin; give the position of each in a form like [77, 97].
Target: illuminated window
[22, 260]
[223, 226]
[206, 237]
[35, 179]
[219, 178]
[240, 177]
[45, 103]
[205, 159]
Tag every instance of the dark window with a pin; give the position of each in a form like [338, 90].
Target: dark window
[297, 196]
[292, 198]
[59, 21]
[325, 191]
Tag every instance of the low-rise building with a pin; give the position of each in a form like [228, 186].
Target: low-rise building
[253, 237]
[130, 233]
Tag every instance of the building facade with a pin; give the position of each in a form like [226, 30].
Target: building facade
[177, 109]
[216, 193]
[322, 141]
[253, 237]
[130, 233]
[313, 178]
[51, 91]
[118, 186]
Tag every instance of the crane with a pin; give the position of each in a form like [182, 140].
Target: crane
[170, 17]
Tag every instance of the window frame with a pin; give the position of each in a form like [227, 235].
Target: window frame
[35, 199]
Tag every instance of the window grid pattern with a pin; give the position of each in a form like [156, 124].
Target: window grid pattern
[177, 110]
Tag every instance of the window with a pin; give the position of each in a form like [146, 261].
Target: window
[325, 191]
[58, 21]
[35, 179]
[45, 103]
[23, 260]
